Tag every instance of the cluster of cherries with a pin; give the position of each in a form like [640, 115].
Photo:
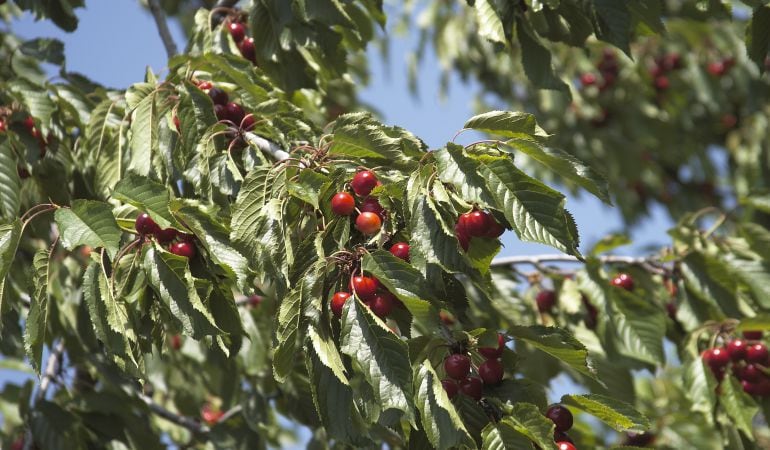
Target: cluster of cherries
[458, 367]
[608, 69]
[181, 244]
[29, 124]
[661, 66]
[562, 420]
[245, 44]
[720, 67]
[476, 223]
[374, 295]
[749, 359]
[370, 212]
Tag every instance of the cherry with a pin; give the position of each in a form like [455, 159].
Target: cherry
[338, 301]
[661, 83]
[177, 124]
[493, 352]
[716, 358]
[255, 300]
[368, 223]
[560, 416]
[363, 182]
[220, 111]
[372, 205]
[624, 280]
[716, 68]
[761, 387]
[182, 249]
[476, 223]
[728, 121]
[751, 373]
[248, 122]
[3, 126]
[364, 287]
[495, 230]
[234, 112]
[560, 436]
[400, 250]
[237, 31]
[18, 444]
[588, 79]
[29, 123]
[752, 335]
[205, 85]
[382, 304]
[343, 204]
[737, 349]
[672, 61]
[145, 225]
[22, 172]
[565, 445]
[671, 310]
[545, 299]
[248, 50]
[491, 372]
[451, 388]
[757, 354]
[457, 366]
[176, 342]
[218, 96]
[166, 235]
[462, 235]
[446, 318]
[639, 439]
[186, 237]
[210, 415]
[472, 387]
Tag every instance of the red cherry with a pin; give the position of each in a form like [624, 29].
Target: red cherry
[166, 235]
[145, 225]
[624, 280]
[382, 304]
[205, 85]
[176, 342]
[18, 444]
[451, 388]
[761, 387]
[476, 223]
[545, 299]
[210, 415]
[29, 123]
[186, 237]
[364, 287]
[672, 61]
[564, 445]
[255, 300]
[716, 68]
[472, 387]
[220, 111]
[560, 416]
[3, 126]
[363, 182]
[248, 50]
[368, 223]
[493, 352]
[728, 121]
[177, 124]
[661, 83]
[372, 205]
[751, 373]
[338, 301]
[234, 113]
[639, 439]
[218, 96]
[457, 366]
[588, 79]
[400, 250]
[343, 204]
[752, 335]
[248, 122]
[491, 372]
[560, 436]
[462, 236]
[446, 318]
[237, 31]
[183, 249]
[757, 354]
[495, 230]
[737, 349]
[716, 358]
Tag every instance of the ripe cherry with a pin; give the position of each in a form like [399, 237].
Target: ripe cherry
[220, 111]
[400, 250]
[183, 249]
[624, 280]
[177, 124]
[495, 230]
[737, 349]
[338, 301]
[751, 373]
[145, 225]
[639, 439]
[29, 123]
[545, 299]
[716, 68]
[564, 445]
[372, 205]
[382, 304]
[761, 387]
[363, 182]
[493, 352]
[457, 366]
[588, 79]
[472, 387]
[248, 50]
[343, 204]
[248, 122]
[18, 444]
[234, 113]
[752, 335]
[166, 235]
[757, 354]
[175, 342]
[451, 388]
[237, 31]
[255, 300]
[560, 416]
[491, 372]
[218, 96]
[205, 85]
[368, 223]
[446, 318]
[364, 287]
[3, 126]
[661, 83]
[211, 415]
[476, 223]
[716, 358]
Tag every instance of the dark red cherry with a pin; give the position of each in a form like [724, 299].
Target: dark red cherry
[451, 388]
[218, 96]
[248, 50]
[237, 31]
[491, 372]
[145, 225]
[493, 352]
[400, 250]
[338, 301]
[457, 366]
[560, 416]
[234, 112]
[183, 249]
[363, 182]
[546, 299]
[472, 387]
[364, 287]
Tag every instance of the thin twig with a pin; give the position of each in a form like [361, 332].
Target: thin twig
[184, 421]
[271, 148]
[235, 410]
[163, 31]
[52, 368]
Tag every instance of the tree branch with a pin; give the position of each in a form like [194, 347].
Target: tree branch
[163, 31]
[649, 263]
[52, 368]
[271, 148]
[184, 421]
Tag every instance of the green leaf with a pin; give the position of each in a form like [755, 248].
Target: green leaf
[618, 414]
[108, 316]
[170, 278]
[710, 279]
[536, 211]
[649, 12]
[88, 222]
[613, 23]
[502, 436]
[35, 97]
[146, 195]
[380, 355]
[536, 59]
[360, 136]
[10, 183]
[55, 428]
[610, 242]
[757, 37]
[700, 386]
[101, 139]
[36, 325]
[757, 323]
[639, 324]
[489, 23]
[740, 407]
[10, 234]
[462, 172]
[439, 418]
[527, 419]
[44, 50]
[510, 124]
[557, 342]
[520, 390]
[308, 186]
[144, 142]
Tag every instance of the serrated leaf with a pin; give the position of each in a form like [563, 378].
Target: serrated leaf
[55, 428]
[639, 324]
[760, 322]
[461, 171]
[489, 23]
[101, 139]
[88, 222]
[146, 195]
[757, 37]
[439, 419]
[510, 124]
[740, 407]
[308, 186]
[108, 316]
[527, 419]
[710, 279]
[503, 437]
[520, 390]
[36, 325]
[144, 142]
[700, 386]
[10, 234]
[10, 183]
[557, 342]
[536, 59]
[380, 355]
[613, 23]
[35, 97]
[618, 414]
[45, 50]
